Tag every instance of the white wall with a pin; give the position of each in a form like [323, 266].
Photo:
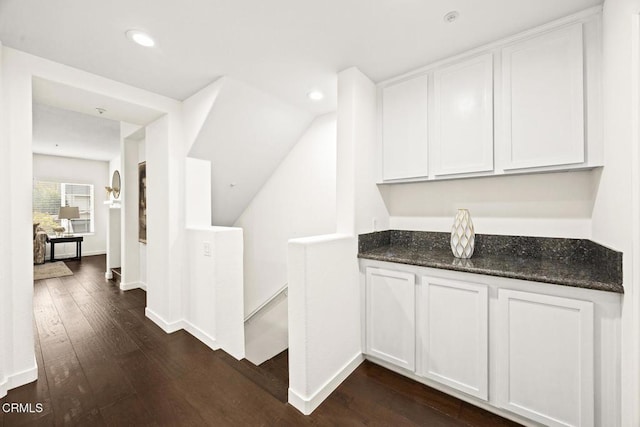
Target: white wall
[245, 136]
[18, 71]
[79, 171]
[298, 200]
[360, 206]
[212, 297]
[324, 317]
[615, 217]
[324, 291]
[5, 254]
[213, 293]
[197, 193]
[547, 205]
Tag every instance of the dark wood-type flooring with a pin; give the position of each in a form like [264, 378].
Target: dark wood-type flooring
[101, 362]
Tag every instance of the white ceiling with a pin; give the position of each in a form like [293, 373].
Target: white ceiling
[283, 47]
[66, 97]
[66, 133]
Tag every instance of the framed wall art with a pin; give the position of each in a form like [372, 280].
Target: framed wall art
[142, 202]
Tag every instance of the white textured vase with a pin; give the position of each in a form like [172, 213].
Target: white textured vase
[463, 237]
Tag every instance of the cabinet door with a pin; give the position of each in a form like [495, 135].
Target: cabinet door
[543, 111]
[545, 358]
[390, 316]
[453, 334]
[463, 117]
[404, 129]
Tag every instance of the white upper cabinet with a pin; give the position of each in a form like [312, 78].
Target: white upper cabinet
[543, 100]
[404, 129]
[463, 117]
[528, 103]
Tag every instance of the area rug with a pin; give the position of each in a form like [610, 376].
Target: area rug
[51, 269]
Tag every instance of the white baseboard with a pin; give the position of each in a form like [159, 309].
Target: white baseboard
[92, 253]
[25, 377]
[206, 339]
[61, 256]
[168, 327]
[307, 405]
[108, 275]
[4, 387]
[171, 327]
[143, 286]
[130, 285]
[19, 379]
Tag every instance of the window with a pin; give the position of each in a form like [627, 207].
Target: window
[48, 197]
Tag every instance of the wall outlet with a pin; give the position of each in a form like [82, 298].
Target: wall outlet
[206, 247]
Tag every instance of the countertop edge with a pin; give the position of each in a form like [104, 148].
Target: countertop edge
[576, 283]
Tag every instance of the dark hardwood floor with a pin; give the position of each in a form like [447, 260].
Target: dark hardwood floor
[101, 362]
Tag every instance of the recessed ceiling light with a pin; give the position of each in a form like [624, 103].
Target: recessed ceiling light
[143, 39]
[315, 95]
[451, 16]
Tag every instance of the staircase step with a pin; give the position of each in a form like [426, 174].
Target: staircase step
[278, 365]
[116, 274]
[270, 378]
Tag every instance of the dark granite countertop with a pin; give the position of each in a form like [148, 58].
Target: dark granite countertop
[570, 262]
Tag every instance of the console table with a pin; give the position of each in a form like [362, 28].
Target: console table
[66, 239]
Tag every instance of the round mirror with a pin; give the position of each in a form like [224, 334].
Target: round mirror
[115, 184]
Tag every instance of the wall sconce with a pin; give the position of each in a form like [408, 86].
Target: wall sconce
[115, 184]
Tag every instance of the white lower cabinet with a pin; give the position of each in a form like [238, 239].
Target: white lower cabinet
[390, 316]
[545, 358]
[453, 336]
[535, 352]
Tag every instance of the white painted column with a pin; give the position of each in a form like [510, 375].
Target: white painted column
[5, 218]
[359, 202]
[613, 218]
[166, 249]
[21, 366]
[114, 246]
[633, 415]
[130, 256]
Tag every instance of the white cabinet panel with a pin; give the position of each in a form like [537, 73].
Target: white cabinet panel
[545, 358]
[463, 117]
[543, 110]
[453, 334]
[404, 129]
[390, 316]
